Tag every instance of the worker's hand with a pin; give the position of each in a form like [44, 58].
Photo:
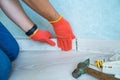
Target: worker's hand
[42, 36]
[63, 33]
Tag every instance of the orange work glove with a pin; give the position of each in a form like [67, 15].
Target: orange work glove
[41, 35]
[63, 33]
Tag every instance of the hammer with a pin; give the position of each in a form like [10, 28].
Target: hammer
[83, 68]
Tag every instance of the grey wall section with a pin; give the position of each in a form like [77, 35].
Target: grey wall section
[90, 19]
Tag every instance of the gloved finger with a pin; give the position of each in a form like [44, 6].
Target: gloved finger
[59, 43]
[69, 41]
[73, 36]
[67, 44]
[52, 43]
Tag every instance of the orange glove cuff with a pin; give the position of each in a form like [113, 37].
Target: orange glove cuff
[56, 20]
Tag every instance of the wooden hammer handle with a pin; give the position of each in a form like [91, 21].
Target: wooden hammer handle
[99, 75]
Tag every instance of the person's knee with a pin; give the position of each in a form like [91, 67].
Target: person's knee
[5, 66]
[14, 51]
[8, 43]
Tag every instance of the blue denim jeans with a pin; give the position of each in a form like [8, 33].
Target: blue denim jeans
[5, 66]
[9, 50]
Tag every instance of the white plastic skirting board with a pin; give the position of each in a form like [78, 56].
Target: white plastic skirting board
[93, 45]
[30, 45]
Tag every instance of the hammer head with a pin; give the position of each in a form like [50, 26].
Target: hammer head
[80, 68]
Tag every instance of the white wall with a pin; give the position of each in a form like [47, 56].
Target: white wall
[90, 19]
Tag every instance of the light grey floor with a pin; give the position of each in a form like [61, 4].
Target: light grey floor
[51, 65]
